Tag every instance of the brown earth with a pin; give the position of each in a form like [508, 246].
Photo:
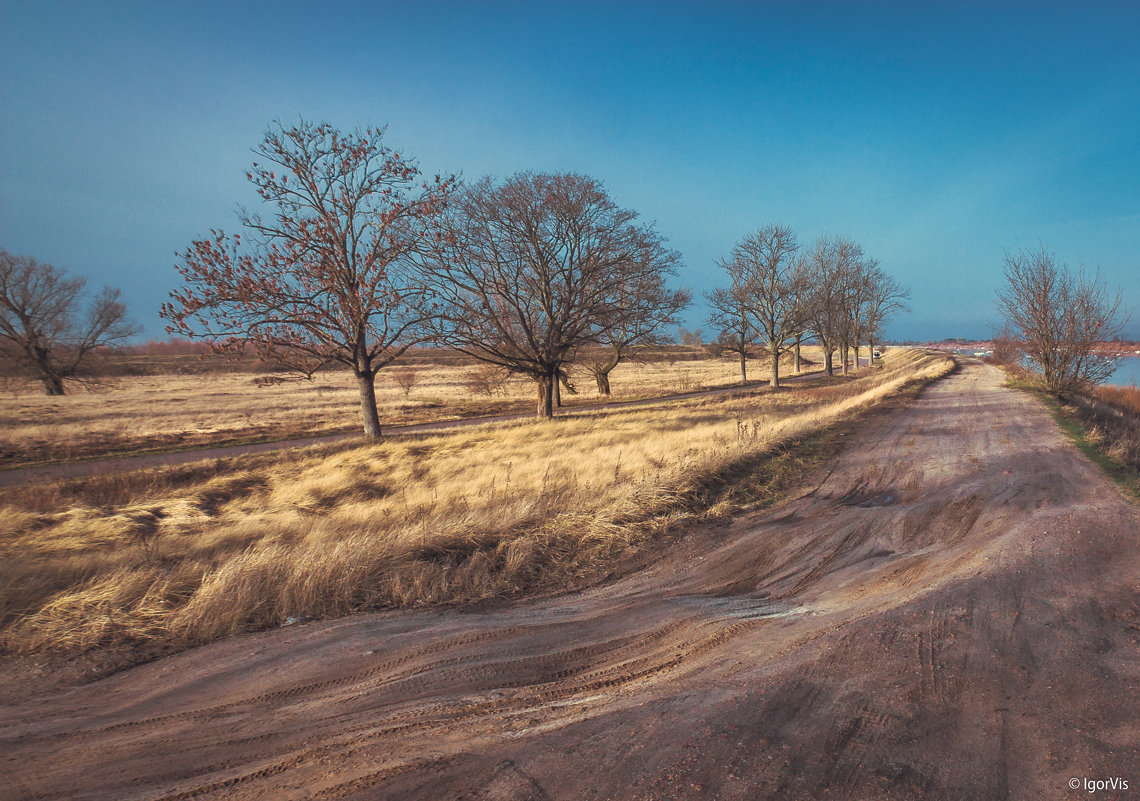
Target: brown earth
[952, 612]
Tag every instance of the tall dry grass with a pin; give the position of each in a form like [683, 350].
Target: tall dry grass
[187, 411]
[1125, 398]
[1111, 417]
[477, 513]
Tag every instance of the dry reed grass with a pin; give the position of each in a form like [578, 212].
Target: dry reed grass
[1111, 418]
[478, 513]
[1125, 398]
[189, 411]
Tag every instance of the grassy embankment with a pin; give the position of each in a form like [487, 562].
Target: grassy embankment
[186, 555]
[188, 410]
[1103, 423]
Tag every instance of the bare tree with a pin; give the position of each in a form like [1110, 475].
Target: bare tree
[326, 278]
[640, 309]
[858, 285]
[731, 313]
[406, 379]
[1007, 349]
[885, 296]
[1060, 318]
[690, 338]
[828, 267]
[42, 327]
[774, 286]
[527, 272]
[486, 379]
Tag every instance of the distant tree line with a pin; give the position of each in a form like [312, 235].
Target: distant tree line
[778, 296]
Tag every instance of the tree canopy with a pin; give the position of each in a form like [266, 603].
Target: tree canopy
[326, 275]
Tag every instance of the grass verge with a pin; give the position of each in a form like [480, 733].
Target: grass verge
[1085, 434]
[1104, 425]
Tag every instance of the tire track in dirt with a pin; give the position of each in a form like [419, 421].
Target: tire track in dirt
[951, 613]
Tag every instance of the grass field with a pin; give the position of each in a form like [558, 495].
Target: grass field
[189, 554]
[181, 411]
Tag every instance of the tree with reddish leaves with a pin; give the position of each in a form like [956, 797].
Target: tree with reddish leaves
[326, 277]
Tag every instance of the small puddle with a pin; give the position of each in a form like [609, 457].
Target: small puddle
[742, 608]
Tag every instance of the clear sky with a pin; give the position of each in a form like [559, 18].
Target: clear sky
[935, 134]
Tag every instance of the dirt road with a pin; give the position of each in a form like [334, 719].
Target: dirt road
[951, 613]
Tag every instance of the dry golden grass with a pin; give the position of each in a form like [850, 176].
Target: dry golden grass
[1111, 418]
[476, 513]
[187, 411]
[1125, 398]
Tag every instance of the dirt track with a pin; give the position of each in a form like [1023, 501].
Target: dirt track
[953, 612]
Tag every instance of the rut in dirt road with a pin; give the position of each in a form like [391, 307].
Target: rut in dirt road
[952, 612]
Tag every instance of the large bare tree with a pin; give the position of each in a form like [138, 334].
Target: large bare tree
[528, 271]
[1060, 318]
[774, 286]
[326, 276]
[43, 327]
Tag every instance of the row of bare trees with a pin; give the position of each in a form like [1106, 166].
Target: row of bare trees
[361, 259]
[779, 295]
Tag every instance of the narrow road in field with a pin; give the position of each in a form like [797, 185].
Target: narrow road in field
[952, 612]
[56, 472]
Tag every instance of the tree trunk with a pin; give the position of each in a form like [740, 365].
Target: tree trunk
[546, 395]
[601, 371]
[797, 358]
[843, 357]
[856, 354]
[743, 368]
[603, 379]
[827, 362]
[367, 384]
[53, 384]
[557, 385]
[775, 380]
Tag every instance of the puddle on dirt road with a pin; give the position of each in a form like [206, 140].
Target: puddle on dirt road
[867, 501]
[741, 608]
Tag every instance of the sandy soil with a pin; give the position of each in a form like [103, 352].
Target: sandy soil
[952, 612]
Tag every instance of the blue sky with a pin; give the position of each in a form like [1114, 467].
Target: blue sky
[936, 134]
